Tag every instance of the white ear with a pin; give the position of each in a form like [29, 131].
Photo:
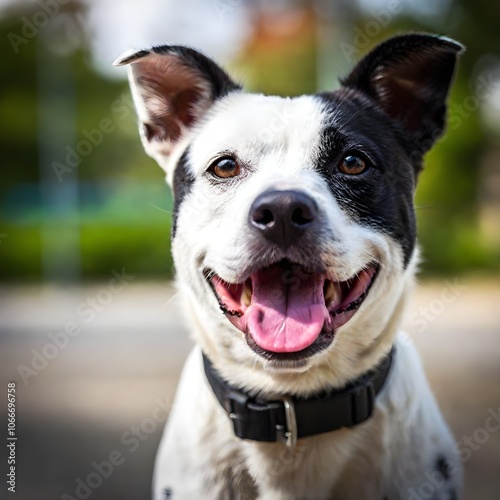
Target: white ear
[172, 87]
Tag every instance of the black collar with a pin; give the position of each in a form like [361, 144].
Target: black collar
[289, 418]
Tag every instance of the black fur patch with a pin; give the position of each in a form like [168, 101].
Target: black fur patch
[382, 196]
[390, 110]
[443, 466]
[182, 184]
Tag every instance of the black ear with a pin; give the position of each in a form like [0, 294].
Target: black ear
[409, 76]
[172, 86]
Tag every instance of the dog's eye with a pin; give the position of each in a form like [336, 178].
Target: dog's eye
[352, 165]
[225, 167]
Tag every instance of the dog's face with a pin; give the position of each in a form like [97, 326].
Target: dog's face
[294, 216]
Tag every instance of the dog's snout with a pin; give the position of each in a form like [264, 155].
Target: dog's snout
[283, 216]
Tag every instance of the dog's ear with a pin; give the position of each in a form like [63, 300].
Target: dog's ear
[172, 87]
[409, 76]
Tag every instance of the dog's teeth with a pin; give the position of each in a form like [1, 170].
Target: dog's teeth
[247, 294]
[330, 291]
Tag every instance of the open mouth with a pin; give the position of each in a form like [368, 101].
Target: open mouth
[289, 313]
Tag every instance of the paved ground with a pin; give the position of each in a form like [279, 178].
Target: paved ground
[80, 404]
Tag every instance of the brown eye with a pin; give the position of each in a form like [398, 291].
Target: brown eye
[352, 165]
[225, 168]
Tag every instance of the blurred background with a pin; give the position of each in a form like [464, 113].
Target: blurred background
[91, 328]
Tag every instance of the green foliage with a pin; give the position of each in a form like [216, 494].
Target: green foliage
[122, 211]
[288, 70]
[142, 251]
[121, 214]
[20, 252]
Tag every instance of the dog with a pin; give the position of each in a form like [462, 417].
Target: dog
[294, 241]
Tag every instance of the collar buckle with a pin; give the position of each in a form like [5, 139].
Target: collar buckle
[236, 404]
[288, 434]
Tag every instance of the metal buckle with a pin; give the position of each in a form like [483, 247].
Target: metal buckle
[288, 435]
[235, 398]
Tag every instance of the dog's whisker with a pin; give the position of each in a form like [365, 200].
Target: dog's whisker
[159, 208]
[171, 299]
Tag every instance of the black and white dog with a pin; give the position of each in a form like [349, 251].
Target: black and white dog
[294, 218]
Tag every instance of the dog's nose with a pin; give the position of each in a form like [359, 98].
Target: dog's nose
[282, 216]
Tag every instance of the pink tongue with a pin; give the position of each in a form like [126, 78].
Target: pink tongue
[287, 310]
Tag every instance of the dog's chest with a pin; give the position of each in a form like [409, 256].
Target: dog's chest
[322, 467]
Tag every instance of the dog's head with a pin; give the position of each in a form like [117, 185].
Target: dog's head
[294, 216]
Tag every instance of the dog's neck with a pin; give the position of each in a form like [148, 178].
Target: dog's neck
[288, 418]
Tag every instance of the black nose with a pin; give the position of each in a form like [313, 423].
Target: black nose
[283, 216]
